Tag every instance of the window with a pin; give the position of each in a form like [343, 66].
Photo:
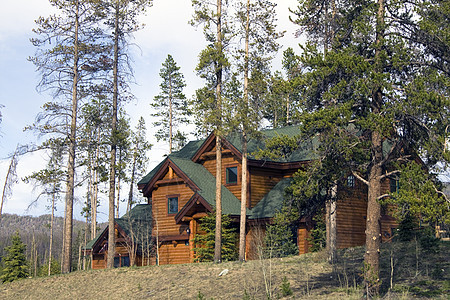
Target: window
[125, 261]
[393, 185]
[232, 176]
[351, 181]
[121, 261]
[172, 205]
[116, 261]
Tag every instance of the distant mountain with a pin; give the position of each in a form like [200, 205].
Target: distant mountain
[27, 226]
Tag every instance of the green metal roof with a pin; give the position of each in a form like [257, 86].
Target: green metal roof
[91, 243]
[272, 202]
[304, 152]
[137, 222]
[206, 182]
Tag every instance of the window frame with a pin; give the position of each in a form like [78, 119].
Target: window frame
[227, 182]
[351, 181]
[394, 185]
[177, 196]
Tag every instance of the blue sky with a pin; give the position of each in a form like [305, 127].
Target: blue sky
[166, 32]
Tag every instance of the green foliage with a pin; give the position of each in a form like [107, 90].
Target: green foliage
[204, 243]
[428, 240]
[318, 233]
[15, 262]
[407, 227]
[279, 238]
[171, 106]
[286, 288]
[278, 147]
[418, 195]
[55, 268]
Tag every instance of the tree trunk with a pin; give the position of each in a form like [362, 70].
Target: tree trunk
[118, 188]
[218, 233]
[243, 219]
[7, 185]
[112, 176]
[51, 230]
[133, 171]
[373, 230]
[332, 226]
[68, 221]
[95, 196]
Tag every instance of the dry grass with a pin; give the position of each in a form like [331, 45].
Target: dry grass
[305, 274]
[309, 275]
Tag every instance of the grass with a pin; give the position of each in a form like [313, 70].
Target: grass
[308, 276]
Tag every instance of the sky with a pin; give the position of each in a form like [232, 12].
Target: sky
[166, 32]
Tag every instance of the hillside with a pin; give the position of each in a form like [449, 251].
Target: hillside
[27, 226]
[309, 277]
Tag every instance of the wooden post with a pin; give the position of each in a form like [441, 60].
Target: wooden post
[192, 232]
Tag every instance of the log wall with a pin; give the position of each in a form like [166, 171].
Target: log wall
[262, 181]
[228, 160]
[165, 221]
[174, 252]
[302, 239]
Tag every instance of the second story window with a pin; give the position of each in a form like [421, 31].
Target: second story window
[172, 205]
[232, 175]
[351, 181]
[394, 185]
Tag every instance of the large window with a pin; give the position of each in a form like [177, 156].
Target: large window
[232, 175]
[172, 205]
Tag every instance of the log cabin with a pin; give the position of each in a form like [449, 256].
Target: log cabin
[134, 242]
[181, 190]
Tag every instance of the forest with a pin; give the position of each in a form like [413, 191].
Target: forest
[364, 73]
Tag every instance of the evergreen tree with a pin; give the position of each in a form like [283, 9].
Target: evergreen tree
[15, 263]
[205, 243]
[121, 17]
[257, 29]
[94, 139]
[213, 63]
[279, 238]
[378, 97]
[138, 148]
[69, 67]
[171, 105]
[50, 180]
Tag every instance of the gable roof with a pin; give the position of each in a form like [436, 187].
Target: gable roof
[305, 152]
[139, 218]
[272, 202]
[206, 183]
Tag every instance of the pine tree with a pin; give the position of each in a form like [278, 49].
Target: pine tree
[171, 105]
[205, 243]
[379, 96]
[213, 64]
[69, 68]
[121, 17]
[139, 148]
[50, 180]
[258, 30]
[15, 263]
